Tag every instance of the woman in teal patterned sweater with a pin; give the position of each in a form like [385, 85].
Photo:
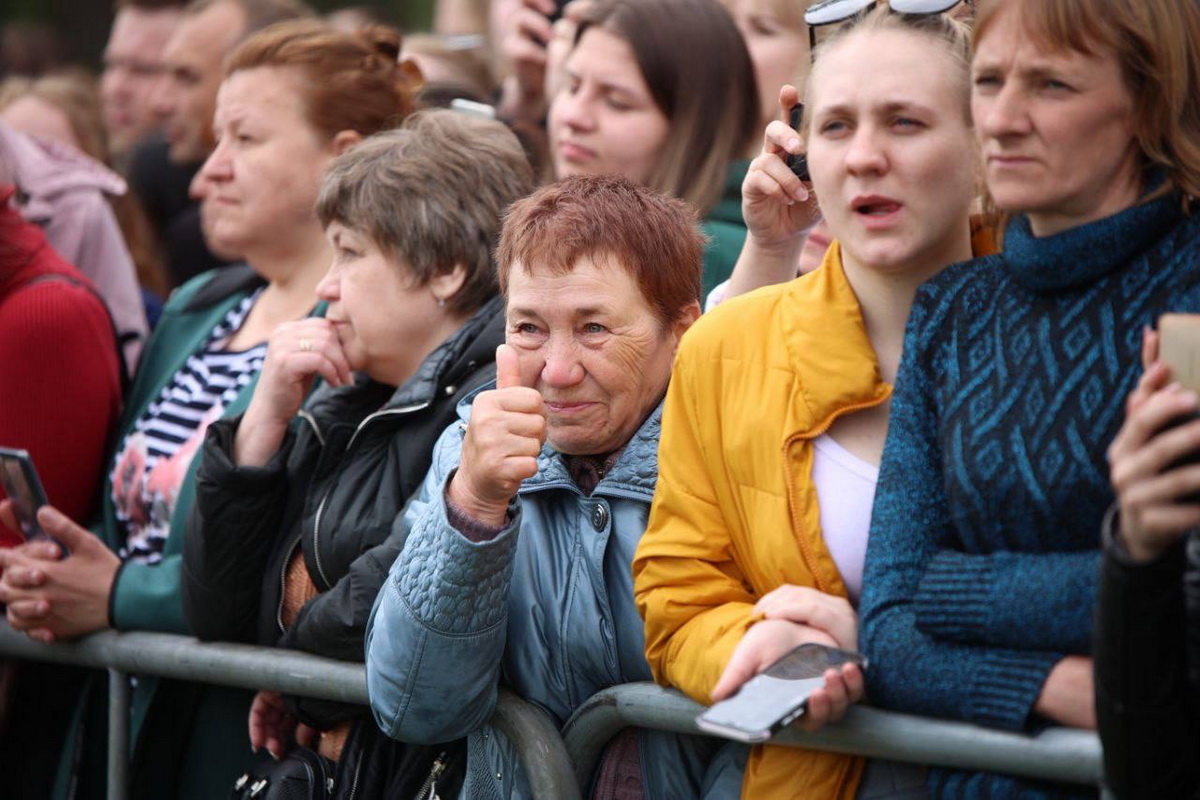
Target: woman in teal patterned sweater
[981, 569]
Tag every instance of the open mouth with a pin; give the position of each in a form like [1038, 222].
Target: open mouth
[876, 207]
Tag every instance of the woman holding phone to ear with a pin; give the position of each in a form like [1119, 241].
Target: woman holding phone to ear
[984, 552]
[756, 536]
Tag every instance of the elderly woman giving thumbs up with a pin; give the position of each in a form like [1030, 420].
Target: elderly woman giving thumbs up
[517, 564]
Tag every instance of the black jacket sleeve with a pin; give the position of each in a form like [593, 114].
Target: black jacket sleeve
[334, 623]
[1145, 701]
[231, 532]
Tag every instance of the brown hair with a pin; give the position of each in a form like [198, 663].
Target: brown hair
[655, 238]
[699, 72]
[1156, 43]
[431, 194]
[349, 81]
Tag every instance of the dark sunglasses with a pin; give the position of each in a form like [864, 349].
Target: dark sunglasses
[831, 12]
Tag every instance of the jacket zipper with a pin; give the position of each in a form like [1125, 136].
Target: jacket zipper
[790, 479]
[428, 789]
[321, 507]
[283, 582]
[357, 770]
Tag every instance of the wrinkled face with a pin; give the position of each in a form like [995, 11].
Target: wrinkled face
[378, 310]
[36, 117]
[779, 51]
[133, 66]
[261, 182]
[590, 343]
[891, 153]
[604, 120]
[185, 98]
[1055, 128]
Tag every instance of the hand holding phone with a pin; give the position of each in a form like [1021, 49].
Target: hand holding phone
[798, 163]
[24, 488]
[1179, 350]
[777, 696]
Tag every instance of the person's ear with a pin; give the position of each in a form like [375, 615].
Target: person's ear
[448, 283]
[344, 140]
[685, 320]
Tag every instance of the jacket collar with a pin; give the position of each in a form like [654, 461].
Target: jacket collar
[635, 472]
[453, 361]
[43, 170]
[827, 344]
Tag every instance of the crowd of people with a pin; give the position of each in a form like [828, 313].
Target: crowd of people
[582, 344]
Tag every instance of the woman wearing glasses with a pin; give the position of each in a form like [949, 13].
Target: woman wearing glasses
[778, 403]
[982, 568]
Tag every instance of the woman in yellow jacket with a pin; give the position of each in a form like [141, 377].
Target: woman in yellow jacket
[777, 408]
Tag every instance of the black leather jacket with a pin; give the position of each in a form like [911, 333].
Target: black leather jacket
[1148, 672]
[334, 489]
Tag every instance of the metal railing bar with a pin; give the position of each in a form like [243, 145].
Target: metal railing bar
[543, 754]
[1057, 754]
[118, 735]
[534, 736]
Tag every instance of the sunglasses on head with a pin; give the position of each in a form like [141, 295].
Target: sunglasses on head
[831, 12]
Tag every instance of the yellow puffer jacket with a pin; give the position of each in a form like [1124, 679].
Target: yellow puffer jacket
[735, 510]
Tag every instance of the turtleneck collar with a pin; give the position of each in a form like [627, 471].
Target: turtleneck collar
[1084, 254]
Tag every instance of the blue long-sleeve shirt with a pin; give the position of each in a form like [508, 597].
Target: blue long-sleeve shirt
[982, 563]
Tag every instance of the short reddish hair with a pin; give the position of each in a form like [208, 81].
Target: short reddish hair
[348, 81]
[656, 238]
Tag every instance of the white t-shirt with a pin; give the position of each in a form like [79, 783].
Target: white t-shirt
[845, 487]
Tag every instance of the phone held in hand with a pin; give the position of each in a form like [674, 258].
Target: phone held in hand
[24, 488]
[798, 164]
[556, 14]
[777, 696]
[1179, 350]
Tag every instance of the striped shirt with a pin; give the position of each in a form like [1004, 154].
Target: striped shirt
[154, 458]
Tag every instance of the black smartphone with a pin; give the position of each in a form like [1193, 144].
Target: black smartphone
[776, 696]
[556, 14]
[798, 164]
[24, 488]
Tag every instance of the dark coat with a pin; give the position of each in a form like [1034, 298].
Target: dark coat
[1148, 672]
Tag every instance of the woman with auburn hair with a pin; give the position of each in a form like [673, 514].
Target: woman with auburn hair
[663, 94]
[983, 562]
[759, 525]
[519, 543]
[295, 96]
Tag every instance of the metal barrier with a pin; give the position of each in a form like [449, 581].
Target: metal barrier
[534, 735]
[1058, 754]
[558, 767]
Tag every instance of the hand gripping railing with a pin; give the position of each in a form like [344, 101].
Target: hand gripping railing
[531, 731]
[556, 767]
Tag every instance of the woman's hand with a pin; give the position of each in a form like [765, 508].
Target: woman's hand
[771, 639]
[275, 729]
[814, 608]
[1150, 491]
[775, 203]
[1068, 697]
[297, 353]
[504, 437]
[52, 599]
[523, 96]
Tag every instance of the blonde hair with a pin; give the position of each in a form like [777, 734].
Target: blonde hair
[954, 38]
[1156, 43]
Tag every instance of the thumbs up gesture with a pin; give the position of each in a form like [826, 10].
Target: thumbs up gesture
[505, 435]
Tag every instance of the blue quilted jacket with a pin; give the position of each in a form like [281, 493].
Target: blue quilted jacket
[546, 607]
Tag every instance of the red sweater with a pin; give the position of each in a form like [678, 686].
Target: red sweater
[60, 393]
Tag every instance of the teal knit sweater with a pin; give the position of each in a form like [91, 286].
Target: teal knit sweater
[982, 563]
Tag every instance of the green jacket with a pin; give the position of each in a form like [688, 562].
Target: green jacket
[187, 740]
[725, 229]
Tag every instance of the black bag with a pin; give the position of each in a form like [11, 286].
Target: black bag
[303, 774]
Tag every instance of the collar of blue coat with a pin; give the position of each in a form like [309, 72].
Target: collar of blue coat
[634, 474]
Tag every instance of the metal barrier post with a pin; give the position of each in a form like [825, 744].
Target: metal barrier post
[543, 756]
[118, 735]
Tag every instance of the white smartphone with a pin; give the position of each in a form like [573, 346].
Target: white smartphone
[777, 696]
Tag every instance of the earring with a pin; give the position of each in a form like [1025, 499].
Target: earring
[441, 302]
